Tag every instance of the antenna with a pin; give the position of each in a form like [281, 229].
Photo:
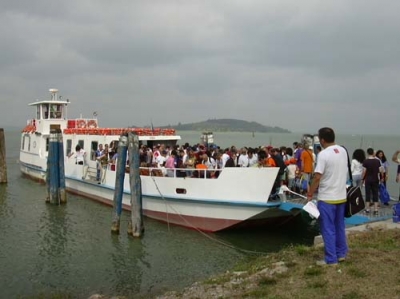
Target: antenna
[53, 92]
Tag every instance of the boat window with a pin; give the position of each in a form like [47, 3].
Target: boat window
[113, 148]
[55, 111]
[69, 147]
[81, 143]
[47, 144]
[26, 142]
[180, 190]
[38, 112]
[93, 148]
[45, 111]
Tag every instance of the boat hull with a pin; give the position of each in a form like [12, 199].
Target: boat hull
[208, 213]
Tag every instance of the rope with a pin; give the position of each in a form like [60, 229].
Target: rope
[201, 232]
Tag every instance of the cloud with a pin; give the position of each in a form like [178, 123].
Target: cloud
[298, 65]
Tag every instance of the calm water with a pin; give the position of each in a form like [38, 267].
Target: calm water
[46, 249]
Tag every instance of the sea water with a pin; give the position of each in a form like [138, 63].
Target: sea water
[46, 249]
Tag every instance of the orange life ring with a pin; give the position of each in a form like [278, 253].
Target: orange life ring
[81, 123]
[92, 124]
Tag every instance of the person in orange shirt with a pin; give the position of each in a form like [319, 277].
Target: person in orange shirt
[307, 163]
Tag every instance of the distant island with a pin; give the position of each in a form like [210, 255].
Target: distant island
[227, 125]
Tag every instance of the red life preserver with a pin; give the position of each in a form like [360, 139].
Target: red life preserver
[81, 123]
[92, 124]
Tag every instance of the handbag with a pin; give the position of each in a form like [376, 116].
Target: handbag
[383, 194]
[396, 209]
[355, 201]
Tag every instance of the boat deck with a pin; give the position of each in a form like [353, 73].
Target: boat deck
[385, 211]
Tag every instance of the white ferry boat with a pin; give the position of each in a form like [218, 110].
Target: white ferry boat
[237, 198]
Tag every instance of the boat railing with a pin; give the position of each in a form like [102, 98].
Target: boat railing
[174, 172]
[180, 172]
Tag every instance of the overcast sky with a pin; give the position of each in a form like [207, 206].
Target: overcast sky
[295, 64]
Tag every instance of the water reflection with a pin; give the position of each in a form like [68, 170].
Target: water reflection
[126, 257]
[53, 263]
[4, 208]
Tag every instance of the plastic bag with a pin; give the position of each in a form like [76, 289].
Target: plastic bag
[383, 194]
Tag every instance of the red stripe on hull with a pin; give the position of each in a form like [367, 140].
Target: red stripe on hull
[201, 223]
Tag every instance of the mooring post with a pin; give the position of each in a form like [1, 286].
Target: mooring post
[52, 158]
[135, 226]
[119, 183]
[61, 169]
[3, 164]
[48, 173]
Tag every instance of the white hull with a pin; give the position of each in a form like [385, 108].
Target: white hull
[208, 205]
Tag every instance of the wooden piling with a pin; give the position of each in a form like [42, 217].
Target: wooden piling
[52, 159]
[48, 173]
[3, 164]
[119, 183]
[135, 226]
[61, 170]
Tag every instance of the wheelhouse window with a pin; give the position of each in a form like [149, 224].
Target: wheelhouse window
[55, 111]
[45, 111]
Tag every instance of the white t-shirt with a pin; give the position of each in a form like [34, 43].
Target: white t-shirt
[356, 168]
[225, 157]
[243, 161]
[291, 171]
[80, 156]
[332, 165]
[160, 160]
[210, 163]
[253, 160]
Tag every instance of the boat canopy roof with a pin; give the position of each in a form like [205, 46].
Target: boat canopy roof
[49, 102]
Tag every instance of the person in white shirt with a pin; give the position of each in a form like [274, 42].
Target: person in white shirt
[160, 160]
[208, 160]
[225, 157]
[357, 168]
[253, 159]
[80, 155]
[330, 178]
[243, 160]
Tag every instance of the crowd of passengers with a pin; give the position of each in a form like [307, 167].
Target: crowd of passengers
[294, 164]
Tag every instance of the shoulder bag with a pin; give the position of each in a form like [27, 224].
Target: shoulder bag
[355, 202]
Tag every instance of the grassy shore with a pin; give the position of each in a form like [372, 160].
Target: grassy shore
[371, 270]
